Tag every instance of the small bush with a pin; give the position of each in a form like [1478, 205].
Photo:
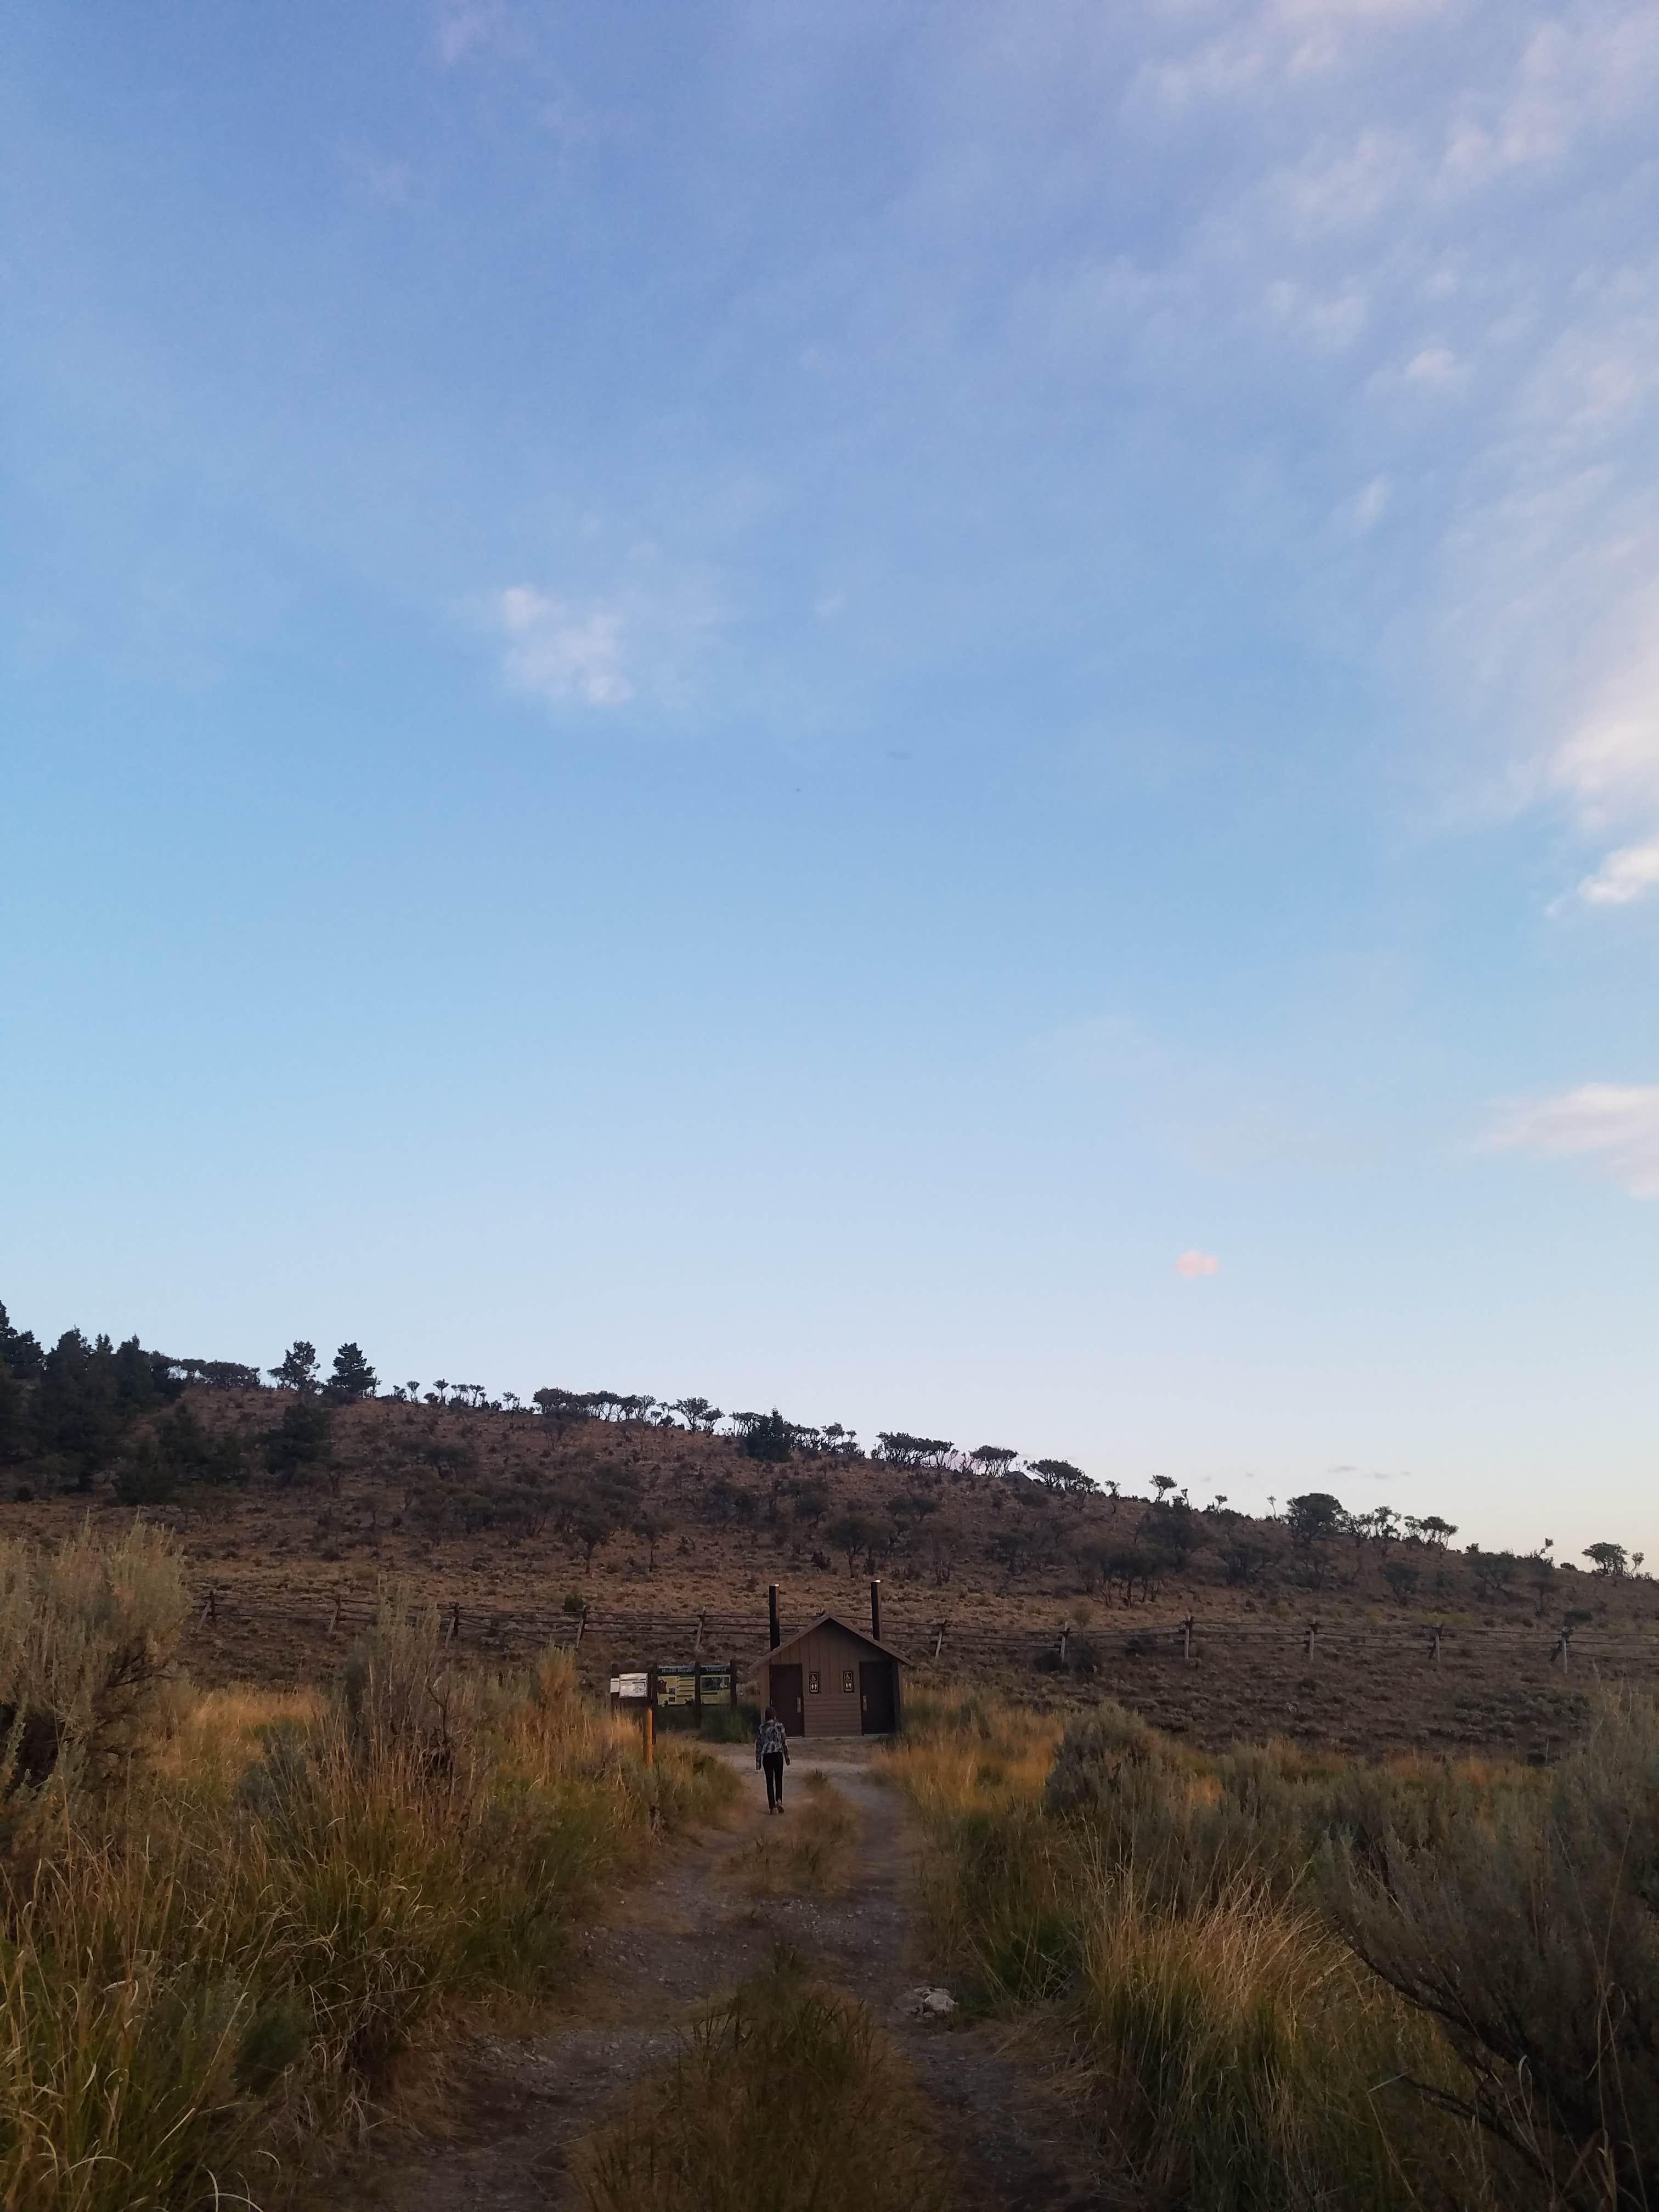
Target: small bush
[1534, 1938]
[86, 1638]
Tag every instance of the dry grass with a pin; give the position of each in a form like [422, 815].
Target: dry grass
[808, 1852]
[202, 1968]
[971, 1754]
[1224, 2045]
[280, 1559]
[786, 2099]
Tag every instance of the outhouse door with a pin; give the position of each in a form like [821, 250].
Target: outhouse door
[786, 1699]
[876, 1713]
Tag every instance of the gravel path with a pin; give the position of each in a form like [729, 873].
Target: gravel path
[684, 1937]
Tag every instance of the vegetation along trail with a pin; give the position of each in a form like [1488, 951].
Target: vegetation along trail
[829, 1886]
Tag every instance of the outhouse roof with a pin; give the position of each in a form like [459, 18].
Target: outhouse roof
[834, 1620]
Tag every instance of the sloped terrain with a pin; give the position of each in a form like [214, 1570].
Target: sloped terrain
[639, 1531]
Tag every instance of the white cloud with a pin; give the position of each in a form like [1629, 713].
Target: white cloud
[1615, 1124]
[1624, 877]
[1369, 506]
[1192, 1265]
[1437, 367]
[561, 650]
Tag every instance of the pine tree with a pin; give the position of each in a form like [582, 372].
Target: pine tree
[297, 1368]
[353, 1376]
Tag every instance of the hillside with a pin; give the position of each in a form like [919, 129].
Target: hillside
[293, 1508]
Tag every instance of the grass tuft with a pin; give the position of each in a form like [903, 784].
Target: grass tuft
[809, 1851]
[788, 2099]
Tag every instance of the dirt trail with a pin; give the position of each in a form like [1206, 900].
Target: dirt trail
[688, 1935]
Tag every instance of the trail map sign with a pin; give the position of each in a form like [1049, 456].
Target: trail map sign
[677, 1684]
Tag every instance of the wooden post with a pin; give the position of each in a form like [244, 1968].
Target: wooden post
[650, 1735]
[1307, 1636]
[1563, 1651]
[697, 1694]
[1435, 1635]
[213, 1602]
[334, 1618]
[1065, 1630]
[453, 1633]
[938, 1640]
[581, 1623]
[696, 1646]
[1186, 1639]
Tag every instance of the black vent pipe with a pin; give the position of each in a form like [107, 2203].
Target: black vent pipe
[875, 1608]
[772, 1613]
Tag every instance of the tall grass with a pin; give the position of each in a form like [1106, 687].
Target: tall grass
[1155, 1911]
[207, 1961]
[787, 2098]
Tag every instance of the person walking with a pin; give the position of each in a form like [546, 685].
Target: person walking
[772, 1753]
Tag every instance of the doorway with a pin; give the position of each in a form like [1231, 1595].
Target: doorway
[786, 1699]
[876, 1700]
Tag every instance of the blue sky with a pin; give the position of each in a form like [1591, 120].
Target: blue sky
[946, 714]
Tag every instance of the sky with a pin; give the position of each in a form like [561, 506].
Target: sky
[947, 716]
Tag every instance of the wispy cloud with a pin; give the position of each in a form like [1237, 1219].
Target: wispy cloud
[561, 650]
[1373, 243]
[1614, 1124]
[1194, 1264]
[641, 637]
[1625, 876]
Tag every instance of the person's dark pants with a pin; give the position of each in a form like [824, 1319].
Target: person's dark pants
[773, 1762]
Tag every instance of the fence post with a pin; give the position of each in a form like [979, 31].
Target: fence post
[938, 1640]
[1435, 1635]
[1186, 1639]
[1065, 1630]
[697, 1694]
[1307, 1636]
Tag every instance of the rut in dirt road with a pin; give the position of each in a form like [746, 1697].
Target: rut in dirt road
[684, 1939]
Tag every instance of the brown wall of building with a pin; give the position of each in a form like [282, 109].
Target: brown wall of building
[829, 1653]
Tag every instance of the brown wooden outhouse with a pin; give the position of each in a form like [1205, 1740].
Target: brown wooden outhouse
[830, 1679]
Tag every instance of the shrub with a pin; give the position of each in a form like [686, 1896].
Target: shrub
[1534, 1938]
[1162, 1910]
[87, 1638]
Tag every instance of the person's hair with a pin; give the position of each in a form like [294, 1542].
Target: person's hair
[769, 1715]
